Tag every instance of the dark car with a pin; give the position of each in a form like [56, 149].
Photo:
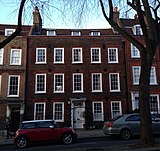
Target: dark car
[128, 125]
[42, 131]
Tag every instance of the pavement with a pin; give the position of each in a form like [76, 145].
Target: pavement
[92, 134]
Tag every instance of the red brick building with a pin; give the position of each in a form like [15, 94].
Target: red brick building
[13, 76]
[76, 77]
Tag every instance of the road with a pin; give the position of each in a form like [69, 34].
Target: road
[79, 145]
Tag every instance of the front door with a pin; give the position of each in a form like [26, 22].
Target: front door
[15, 118]
[79, 117]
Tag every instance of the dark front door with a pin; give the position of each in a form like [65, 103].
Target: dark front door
[15, 119]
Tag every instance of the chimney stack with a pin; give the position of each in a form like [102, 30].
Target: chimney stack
[37, 21]
[115, 14]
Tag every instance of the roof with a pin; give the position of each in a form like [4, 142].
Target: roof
[31, 121]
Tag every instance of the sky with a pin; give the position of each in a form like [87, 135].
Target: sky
[9, 13]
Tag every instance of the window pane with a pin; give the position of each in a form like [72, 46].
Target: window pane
[58, 55]
[41, 55]
[96, 81]
[97, 111]
[13, 85]
[112, 55]
[114, 82]
[16, 56]
[41, 83]
[95, 52]
[116, 110]
[77, 55]
[39, 111]
[59, 78]
[77, 81]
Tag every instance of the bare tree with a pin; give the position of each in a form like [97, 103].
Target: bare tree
[150, 24]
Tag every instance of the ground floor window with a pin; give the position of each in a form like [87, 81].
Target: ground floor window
[116, 108]
[58, 111]
[98, 111]
[39, 111]
[154, 102]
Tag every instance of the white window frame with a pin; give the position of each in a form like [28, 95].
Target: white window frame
[98, 116]
[54, 114]
[45, 57]
[14, 59]
[1, 56]
[75, 33]
[9, 86]
[99, 82]
[137, 32]
[135, 53]
[44, 91]
[80, 57]
[51, 33]
[60, 89]
[9, 32]
[118, 82]
[94, 55]
[135, 101]
[118, 112]
[81, 82]
[44, 110]
[95, 33]
[153, 77]
[56, 55]
[137, 76]
[109, 54]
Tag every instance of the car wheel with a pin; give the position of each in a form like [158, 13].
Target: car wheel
[22, 142]
[67, 138]
[125, 134]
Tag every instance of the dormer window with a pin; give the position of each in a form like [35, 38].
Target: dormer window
[9, 32]
[75, 33]
[95, 33]
[137, 30]
[51, 33]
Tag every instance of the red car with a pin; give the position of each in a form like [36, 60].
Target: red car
[41, 131]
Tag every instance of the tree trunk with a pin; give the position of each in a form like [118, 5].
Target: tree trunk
[146, 138]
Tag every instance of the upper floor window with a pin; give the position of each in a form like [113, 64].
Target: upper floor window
[58, 83]
[114, 82]
[58, 55]
[112, 55]
[98, 114]
[58, 111]
[40, 55]
[40, 85]
[76, 33]
[95, 33]
[13, 85]
[9, 32]
[96, 82]
[77, 82]
[39, 111]
[137, 30]
[51, 33]
[116, 108]
[15, 57]
[135, 53]
[95, 55]
[1, 56]
[77, 55]
[136, 75]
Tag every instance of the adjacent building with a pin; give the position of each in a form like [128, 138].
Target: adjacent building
[13, 76]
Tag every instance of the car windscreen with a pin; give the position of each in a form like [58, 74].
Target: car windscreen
[116, 118]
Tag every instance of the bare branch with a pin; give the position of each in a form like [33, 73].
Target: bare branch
[19, 26]
[119, 29]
